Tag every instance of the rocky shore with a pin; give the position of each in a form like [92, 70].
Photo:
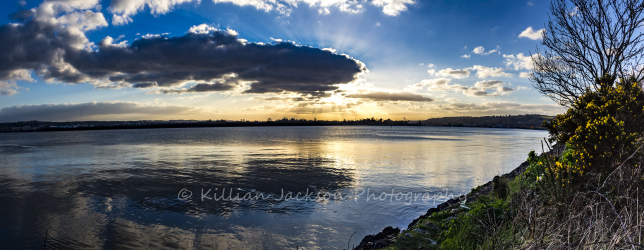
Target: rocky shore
[388, 235]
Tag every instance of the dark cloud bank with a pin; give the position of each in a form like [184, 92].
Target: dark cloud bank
[386, 96]
[59, 52]
[93, 111]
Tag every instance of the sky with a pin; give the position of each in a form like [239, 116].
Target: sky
[67, 60]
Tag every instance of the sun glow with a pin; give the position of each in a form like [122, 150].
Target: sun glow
[334, 99]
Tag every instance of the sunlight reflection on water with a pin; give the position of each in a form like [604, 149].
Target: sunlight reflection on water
[119, 189]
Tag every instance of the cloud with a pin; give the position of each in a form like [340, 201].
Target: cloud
[466, 56]
[484, 72]
[449, 72]
[198, 57]
[21, 15]
[201, 87]
[520, 61]
[43, 42]
[97, 111]
[8, 88]
[439, 84]
[123, 10]
[389, 7]
[481, 51]
[392, 7]
[386, 96]
[266, 5]
[525, 74]
[532, 34]
[500, 108]
[481, 71]
[480, 88]
[8, 80]
[53, 45]
[324, 11]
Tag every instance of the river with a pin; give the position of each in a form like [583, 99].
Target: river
[223, 188]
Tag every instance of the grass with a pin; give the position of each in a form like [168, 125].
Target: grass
[540, 209]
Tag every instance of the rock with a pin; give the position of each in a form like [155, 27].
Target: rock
[380, 240]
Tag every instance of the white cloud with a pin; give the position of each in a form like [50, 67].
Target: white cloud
[499, 107]
[78, 15]
[466, 56]
[109, 42]
[8, 88]
[266, 5]
[19, 75]
[520, 61]
[481, 51]
[480, 88]
[439, 84]
[389, 7]
[123, 10]
[484, 72]
[324, 11]
[392, 7]
[202, 29]
[525, 74]
[532, 34]
[455, 73]
[481, 72]
[73, 16]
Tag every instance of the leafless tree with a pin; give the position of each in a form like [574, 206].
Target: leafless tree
[585, 40]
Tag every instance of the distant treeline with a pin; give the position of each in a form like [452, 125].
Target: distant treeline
[518, 121]
[33, 126]
[530, 121]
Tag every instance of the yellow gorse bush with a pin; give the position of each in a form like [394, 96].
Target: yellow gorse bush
[601, 126]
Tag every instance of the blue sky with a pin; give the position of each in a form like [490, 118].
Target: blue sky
[259, 59]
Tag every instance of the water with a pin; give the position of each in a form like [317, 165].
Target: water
[130, 188]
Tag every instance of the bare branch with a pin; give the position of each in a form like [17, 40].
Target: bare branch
[585, 40]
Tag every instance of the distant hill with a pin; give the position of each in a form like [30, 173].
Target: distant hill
[530, 121]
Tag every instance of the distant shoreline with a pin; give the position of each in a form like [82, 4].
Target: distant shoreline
[80, 127]
[532, 121]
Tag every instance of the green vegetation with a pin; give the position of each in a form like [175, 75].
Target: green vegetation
[584, 193]
[603, 125]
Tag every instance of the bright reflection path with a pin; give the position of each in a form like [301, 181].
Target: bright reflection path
[120, 189]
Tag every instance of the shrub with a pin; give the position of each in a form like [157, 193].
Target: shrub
[602, 125]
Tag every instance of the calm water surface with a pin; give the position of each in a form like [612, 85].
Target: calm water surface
[121, 189]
